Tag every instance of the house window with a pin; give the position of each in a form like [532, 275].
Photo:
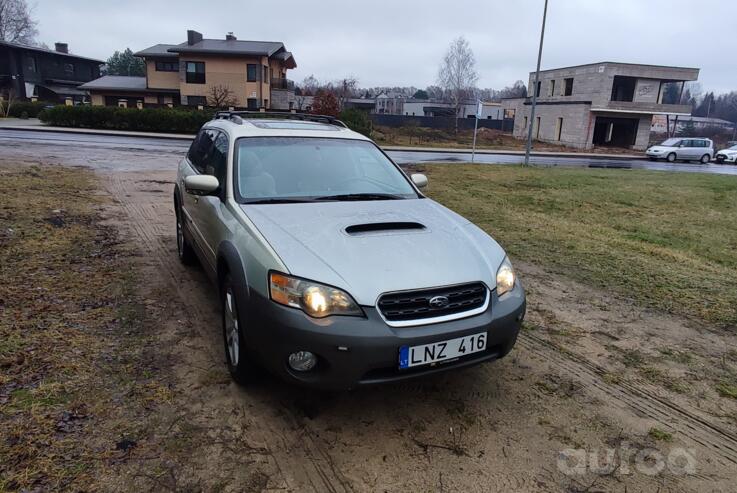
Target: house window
[551, 88]
[195, 73]
[623, 88]
[524, 126]
[69, 69]
[31, 64]
[196, 101]
[568, 86]
[537, 127]
[251, 72]
[167, 66]
[266, 103]
[266, 74]
[558, 128]
[252, 104]
[537, 91]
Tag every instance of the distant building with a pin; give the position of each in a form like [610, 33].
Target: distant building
[253, 72]
[660, 123]
[389, 103]
[47, 75]
[599, 104]
[365, 104]
[427, 107]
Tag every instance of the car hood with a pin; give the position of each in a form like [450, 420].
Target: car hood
[312, 241]
[728, 152]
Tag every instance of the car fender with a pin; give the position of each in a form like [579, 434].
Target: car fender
[229, 258]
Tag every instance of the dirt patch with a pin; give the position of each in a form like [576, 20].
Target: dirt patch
[501, 426]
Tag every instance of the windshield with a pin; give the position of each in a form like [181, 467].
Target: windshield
[304, 168]
[670, 142]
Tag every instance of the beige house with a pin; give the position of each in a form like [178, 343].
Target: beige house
[204, 72]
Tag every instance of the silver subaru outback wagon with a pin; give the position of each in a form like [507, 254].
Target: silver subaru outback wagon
[334, 270]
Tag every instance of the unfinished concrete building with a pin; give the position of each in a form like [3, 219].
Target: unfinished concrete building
[600, 104]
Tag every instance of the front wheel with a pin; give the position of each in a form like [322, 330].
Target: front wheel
[671, 157]
[705, 159]
[236, 355]
[184, 249]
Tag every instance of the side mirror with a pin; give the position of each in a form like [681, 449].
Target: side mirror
[419, 180]
[200, 184]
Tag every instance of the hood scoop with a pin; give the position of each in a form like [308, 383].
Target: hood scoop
[382, 228]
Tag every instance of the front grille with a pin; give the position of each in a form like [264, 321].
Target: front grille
[415, 305]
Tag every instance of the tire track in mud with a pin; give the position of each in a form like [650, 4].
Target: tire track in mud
[153, 222]
[642, 398]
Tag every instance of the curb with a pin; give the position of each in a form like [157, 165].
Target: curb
[95, 131]
[440, 150]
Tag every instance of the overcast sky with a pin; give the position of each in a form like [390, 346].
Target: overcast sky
[401, 42]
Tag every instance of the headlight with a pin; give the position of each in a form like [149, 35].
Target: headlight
[316, 300]
[505, 277]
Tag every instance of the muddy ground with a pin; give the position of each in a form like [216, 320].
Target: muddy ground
[592, 375]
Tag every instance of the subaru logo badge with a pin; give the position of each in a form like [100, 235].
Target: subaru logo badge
[439, 301]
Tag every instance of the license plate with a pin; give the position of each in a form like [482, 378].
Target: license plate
[436, 352]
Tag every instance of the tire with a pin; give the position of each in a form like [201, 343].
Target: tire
[185, 251]
[237, 357]
[705, 159]
[671, 158]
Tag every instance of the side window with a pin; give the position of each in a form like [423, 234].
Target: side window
[198, 151]
[217, 159]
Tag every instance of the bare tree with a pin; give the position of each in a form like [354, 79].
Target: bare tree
[221, 96]
[16, 23]
[457, 75]
[345, 88]
[6, 103]
[309, 86]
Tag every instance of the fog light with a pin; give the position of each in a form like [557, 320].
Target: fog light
[302, 361]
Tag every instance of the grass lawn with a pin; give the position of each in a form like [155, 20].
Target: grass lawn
[665, 239]
[71, 360]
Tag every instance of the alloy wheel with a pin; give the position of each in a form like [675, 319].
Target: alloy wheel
[232, 337]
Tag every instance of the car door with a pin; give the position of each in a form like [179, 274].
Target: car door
[194, 164]
[692, 149]
[212, 215]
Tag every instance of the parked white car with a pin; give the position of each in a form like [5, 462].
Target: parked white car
[684, 149]
[728, 155]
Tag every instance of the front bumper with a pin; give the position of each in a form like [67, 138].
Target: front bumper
[356, 351]
[724, 158]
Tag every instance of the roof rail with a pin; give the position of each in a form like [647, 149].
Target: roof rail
[238, 117]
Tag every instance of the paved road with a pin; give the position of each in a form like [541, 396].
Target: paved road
[118, 152]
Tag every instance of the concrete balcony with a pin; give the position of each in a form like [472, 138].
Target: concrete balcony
[285, 84]
[642, 108]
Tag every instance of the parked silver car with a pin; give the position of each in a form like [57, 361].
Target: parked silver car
[685, 149]
[728, 155]
[334, 270]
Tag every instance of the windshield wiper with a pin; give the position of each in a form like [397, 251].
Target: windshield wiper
[361, 196]
[276, 201]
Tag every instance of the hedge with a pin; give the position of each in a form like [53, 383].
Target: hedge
[357, 120]
[26, 109]
[169, 120]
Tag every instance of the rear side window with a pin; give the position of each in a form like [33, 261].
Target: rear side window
[217, 159]
[199, 149]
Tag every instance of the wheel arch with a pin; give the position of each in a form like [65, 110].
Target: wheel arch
[230, 262]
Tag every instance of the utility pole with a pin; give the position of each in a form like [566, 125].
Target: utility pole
[534, 89]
